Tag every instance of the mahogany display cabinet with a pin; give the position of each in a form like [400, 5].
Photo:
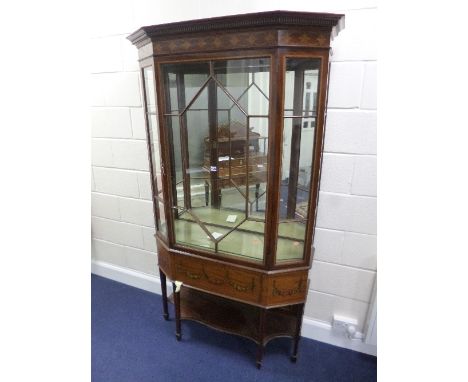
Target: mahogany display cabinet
[235, 114]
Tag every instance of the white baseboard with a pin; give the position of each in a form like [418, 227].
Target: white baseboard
[127, 276]
[316, 330]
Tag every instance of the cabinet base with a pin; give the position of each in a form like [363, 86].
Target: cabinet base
[257, 324]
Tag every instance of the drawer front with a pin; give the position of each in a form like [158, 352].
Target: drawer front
[218, 278]
[287, 288]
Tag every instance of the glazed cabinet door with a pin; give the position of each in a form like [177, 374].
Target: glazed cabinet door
[298, 146]
[216, 121]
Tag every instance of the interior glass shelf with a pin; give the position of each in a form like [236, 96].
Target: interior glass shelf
[245, 241]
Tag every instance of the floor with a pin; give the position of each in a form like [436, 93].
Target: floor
[131, 342]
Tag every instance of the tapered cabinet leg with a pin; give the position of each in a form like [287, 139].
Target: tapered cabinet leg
[261, 336]
[177, 312]
[162, 276]
[297, 336]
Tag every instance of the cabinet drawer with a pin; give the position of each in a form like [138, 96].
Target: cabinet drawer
[218, 278]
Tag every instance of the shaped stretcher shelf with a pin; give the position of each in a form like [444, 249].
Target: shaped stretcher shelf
[236, 318]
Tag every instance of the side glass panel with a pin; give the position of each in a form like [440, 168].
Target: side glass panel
[300, 111]
[155, 154]
[217, 117]
[153, 129]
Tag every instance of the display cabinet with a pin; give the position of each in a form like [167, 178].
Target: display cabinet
[235, 115]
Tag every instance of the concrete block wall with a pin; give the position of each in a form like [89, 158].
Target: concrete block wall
[344, 267]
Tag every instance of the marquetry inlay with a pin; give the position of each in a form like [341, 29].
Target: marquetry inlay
[298, 289]
[224, 279]
[303, 38]
[213, 42]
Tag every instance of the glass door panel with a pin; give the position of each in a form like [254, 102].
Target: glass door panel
[300, 111]
[219, 153]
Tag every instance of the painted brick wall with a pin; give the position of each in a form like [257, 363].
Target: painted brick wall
[344, 267]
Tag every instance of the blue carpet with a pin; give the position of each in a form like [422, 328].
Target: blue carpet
[131, 342]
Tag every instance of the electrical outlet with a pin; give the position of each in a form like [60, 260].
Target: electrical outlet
[342, 322]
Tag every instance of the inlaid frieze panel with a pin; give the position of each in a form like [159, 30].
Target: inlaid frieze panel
[234, 40]
[304, 38]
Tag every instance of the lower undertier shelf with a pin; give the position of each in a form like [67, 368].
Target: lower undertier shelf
[235, 317]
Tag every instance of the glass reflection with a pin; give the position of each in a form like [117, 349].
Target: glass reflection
[300, 110]
[217, 117]
[153, 131]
